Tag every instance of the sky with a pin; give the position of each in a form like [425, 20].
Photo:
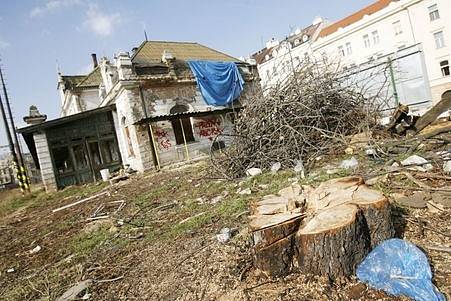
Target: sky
[39, 36]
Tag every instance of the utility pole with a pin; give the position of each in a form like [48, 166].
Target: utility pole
[22, 174]
[11, 146]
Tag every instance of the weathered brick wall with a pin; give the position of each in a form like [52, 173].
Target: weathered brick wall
[204, 130]
[129, 111]
[160, 100]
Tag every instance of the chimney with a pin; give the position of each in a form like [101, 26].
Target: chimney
[94, 60]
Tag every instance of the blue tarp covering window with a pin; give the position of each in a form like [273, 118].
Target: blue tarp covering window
[220, 83]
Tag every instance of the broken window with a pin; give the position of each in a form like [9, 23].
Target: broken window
[63, 160]
[182, 126]
[109, 151]
[444, 65]
[95, 153]
[81, 157]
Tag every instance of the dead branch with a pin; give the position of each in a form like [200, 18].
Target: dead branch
[310, 113]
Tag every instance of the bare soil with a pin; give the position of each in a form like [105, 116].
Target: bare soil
[162, 245]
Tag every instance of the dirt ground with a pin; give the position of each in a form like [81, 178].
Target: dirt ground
[162, 244]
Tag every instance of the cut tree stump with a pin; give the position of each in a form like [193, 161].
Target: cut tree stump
[325, 231]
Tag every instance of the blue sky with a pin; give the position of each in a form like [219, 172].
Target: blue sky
[36, 35]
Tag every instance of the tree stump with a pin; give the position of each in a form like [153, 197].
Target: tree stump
[325, 231]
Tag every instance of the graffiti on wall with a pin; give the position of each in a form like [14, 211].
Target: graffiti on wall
[209, 128]
[163, 138]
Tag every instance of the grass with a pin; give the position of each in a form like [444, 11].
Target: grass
[39, 198]
[85, 243]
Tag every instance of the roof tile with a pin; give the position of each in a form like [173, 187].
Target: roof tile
[357, 16]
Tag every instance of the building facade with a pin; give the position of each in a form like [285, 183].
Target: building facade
[278, 59]
[141, 111]
[414, 34]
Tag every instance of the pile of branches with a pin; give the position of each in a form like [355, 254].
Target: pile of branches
[301, 118]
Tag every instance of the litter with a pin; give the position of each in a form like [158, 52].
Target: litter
[252, 172]
[399, 268]
[35, 250]
[349, 164]
[224, 235]
[81, 201]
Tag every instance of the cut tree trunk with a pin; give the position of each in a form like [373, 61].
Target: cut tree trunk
[430, 116]
[325, 231]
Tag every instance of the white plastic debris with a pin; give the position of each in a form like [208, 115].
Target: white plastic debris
[414, 160]
[252, 172]
[11, 270]
[224, 235]
[371, 152]
[35, 250]
[349, 164]
[447, 167]
[276, 167]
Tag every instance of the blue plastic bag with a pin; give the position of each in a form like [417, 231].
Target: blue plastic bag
[399, 268]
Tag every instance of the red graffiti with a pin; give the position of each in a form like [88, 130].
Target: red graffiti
[209, 128]
[162, 138]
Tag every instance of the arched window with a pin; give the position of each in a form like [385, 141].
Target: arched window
[182, 125]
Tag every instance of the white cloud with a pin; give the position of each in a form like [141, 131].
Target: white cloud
[4, 44]
[100, 23]
[52, 5]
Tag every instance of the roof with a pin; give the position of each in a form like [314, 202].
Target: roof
[93, 79]
[62, 120]
[72, 81]
[197, 114]
[357, 16]
[260, 56]
[150, 52]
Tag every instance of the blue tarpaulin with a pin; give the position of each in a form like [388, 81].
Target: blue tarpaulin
[220, 83]
[399, 268]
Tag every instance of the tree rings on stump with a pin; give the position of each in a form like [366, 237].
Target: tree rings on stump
[324, 231]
